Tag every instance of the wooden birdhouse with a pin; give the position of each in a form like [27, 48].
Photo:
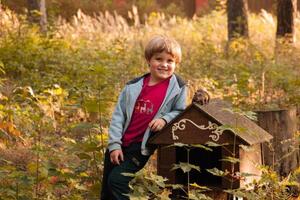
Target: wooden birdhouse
[233, 139]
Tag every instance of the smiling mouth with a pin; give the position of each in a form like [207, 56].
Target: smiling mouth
[163, 69]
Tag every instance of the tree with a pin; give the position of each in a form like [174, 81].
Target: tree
[43, 20]
[237, 19]
[37, 13]
[286, 14]
[285, 34]
[33, 8]
[189, 7]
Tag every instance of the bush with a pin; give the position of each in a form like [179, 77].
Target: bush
[58, 90]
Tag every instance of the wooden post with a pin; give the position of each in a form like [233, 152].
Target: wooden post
[283, 151]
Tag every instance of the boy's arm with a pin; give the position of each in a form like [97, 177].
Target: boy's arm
[117, 123]
[178, 106]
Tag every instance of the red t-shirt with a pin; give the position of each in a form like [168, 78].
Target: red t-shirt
[146, 107]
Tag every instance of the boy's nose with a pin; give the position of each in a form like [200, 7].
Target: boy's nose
[164, 64]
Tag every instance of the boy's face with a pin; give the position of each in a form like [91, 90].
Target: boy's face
[162, 66]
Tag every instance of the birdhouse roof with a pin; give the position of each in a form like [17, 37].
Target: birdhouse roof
[241, 125]
[237, 123]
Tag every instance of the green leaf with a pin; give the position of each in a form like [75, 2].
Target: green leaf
[203, 188]
[26, 180]
[246, 148]
[217, 172]
[230, 159]
[213, 144]
[201, 147]
[189, 146]
[84, 125]
[43, 172]
[245, 174]
[128, 174]
[90, 147]
[80, 187]
[83, 174]
[197, 195]
[176, 186]
[6, 161]
[251, 115]
[84, 156]
[226, 127]
[91, 105]
[70, 140]
[159, 180]
[31, 167]
[185, 167]
[177, 145]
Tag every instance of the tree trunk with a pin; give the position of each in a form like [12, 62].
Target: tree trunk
[189, 7]
[37, 13]
[43, 19]
[283, 151]
[286, 14]
[237, 19]
[285, 34]
[33, 8]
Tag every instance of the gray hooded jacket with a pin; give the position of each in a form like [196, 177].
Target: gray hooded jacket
[173, 103]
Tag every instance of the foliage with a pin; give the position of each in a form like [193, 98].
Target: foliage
[148, 186]
[185, 167]
[269, 187]
[37, 164]
[57, 92]
[68, 8]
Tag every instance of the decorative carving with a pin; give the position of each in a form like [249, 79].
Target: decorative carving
[181, 125]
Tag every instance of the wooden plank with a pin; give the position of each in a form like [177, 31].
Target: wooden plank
[166, 157]
[250, 162]
[282, 153]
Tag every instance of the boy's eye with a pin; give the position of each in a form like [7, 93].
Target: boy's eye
[158, 58]
[171, 61]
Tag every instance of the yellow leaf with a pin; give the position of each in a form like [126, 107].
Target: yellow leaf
[31, 167]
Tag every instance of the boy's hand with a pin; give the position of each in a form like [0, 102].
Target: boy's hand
[116, 156]
[201, 97]
[157, 124]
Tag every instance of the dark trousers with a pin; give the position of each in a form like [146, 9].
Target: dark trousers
[114, 184]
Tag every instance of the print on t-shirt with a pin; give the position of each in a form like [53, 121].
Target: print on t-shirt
[144, 107]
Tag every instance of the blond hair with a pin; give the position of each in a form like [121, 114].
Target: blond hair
[162, 43]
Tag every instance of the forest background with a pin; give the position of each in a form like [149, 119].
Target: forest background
[58, 89]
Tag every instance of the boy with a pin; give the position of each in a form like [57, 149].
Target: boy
[145, 105]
